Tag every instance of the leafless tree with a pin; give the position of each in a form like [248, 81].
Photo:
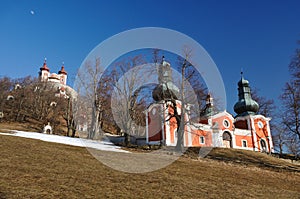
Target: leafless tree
[127, 78]
[29, 100]
[190, 102]
[291, 103]
[266, 106]
[291, 100]
[90, 85]
[280, 139]
[6, 85]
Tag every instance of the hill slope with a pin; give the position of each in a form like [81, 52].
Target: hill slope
[36, 169]
[247, 158]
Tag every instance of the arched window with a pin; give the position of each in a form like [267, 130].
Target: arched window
[227, 140]
[263, 146]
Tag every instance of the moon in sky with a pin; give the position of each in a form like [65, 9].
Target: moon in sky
[32, 12]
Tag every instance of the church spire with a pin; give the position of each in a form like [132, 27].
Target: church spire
[246, 105]
[62, 70]
[209, 107]
[45, 67]
[165, 89]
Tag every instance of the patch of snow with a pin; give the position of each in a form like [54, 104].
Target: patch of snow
[95, 144]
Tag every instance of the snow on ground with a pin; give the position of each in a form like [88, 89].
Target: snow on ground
[100, 145]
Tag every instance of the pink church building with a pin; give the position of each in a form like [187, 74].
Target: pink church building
[246, 130]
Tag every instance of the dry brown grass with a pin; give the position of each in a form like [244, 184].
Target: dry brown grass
[34, 126]
[36, 169]
[6, 126]
[247, 158]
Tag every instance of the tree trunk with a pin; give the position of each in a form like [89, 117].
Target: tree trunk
[94, 124]
[181, 120]
[126, 139]
[68, 131]
[73, 128]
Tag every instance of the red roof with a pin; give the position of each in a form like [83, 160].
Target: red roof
[44, 67]
[62, 71]
[54, 76]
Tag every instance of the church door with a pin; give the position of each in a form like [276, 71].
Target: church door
[227, 141]
[263, 146]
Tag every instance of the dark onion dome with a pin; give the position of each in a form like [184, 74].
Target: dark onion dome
[165, 91]
[243, 82]
[209, 107]
[246, 105]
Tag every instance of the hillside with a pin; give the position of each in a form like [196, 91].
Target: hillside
[35, 169]
[247, 159]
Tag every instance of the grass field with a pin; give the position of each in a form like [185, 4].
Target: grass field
[7, 126]
[35, 169]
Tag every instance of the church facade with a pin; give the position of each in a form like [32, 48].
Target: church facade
[59, 79]
[46, 76]
[247, 130]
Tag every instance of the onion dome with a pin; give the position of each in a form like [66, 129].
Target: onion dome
[62, 70]
[243, 82]
[246, 105]
[166, 89]
[209, 107]
[44, 67]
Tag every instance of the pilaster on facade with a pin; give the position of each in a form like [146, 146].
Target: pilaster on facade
[255, 140]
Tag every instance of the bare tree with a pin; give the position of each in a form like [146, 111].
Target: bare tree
[291, 104]
[126, 80]
[5, 88]
[188, 96]
[280, 139]
[266, 106]
[70, 110]
[291, 100]
[294, 66]
[29, 100]
[90, 85]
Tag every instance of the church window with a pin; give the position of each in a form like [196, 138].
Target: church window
[244, 143]
[260, 124]
[202, 139]
[153, 111]
[263, 145]
[226, 123]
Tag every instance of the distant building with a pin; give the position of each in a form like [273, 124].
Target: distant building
[46, 76]
[246, 130]
[59, 79]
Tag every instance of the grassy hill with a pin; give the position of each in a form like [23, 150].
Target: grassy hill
[35, 169]
[247, 159]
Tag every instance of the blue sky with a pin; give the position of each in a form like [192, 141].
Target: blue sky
[258, 36]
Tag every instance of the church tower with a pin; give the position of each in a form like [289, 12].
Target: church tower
[209, 107]
[246, 105]
[247, 120]
[160, 128]
[166, 89]
[44, 72]
[63, 75]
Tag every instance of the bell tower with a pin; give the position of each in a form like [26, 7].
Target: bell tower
[245, 105]
[63, 75]
[44, 72]
[166, 89]
[209, 107]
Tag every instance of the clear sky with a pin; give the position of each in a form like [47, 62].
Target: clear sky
[258, 36]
